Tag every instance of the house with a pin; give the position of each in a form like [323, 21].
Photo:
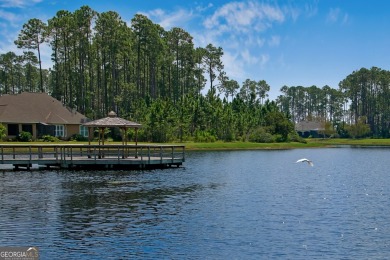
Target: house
[310, 128]
[39, 114]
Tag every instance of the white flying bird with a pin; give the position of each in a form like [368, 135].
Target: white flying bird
[305, 160]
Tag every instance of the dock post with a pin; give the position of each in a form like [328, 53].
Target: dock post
[40, 155]
[172, 153]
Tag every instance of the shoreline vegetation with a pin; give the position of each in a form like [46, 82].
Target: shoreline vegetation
[220, 145]
[311, 143]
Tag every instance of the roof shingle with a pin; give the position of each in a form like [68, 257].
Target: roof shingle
[30, 108]
[304, 126]
[112, 121]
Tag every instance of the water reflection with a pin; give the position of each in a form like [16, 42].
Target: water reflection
[102, 208]
[221, 205]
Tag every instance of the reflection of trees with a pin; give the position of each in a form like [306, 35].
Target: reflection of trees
[101, 209]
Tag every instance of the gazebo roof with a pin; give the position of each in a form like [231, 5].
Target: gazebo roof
[112, 121]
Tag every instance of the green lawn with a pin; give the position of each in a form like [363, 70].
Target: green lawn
[246, 145]
[311, 143]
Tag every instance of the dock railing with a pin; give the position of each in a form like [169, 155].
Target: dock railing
[75, 154]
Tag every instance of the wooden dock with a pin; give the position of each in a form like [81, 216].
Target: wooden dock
[80, 156]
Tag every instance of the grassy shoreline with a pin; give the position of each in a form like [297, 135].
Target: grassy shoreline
[311, 143]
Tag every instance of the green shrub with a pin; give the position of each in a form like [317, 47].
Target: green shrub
[260, 135]
[294, 137]
[204, 137]
[25, 137]
[279, 138]
[78, 138]
[228, 137]
[3, 131]
[49, 138]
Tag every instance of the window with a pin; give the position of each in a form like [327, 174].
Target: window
[59, 131]
[83, 131]
[13, 129]
[27, 128]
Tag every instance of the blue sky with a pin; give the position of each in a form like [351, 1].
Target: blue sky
[286, 42]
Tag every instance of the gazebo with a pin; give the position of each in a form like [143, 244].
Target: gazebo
[112, 121]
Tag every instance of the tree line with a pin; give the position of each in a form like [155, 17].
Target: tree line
[156, 77]
[360, 107]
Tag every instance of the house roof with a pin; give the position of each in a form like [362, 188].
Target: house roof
[304, 126]
[30, 108]
[112, 121]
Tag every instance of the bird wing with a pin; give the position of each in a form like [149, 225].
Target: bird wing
[305, 160]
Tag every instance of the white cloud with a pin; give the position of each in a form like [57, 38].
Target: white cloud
[169, 20]
[240, 66]
[7, 45]
[244, 17]
[243, 29]
[311, 9]
[248, 57]
[294, 12]
[204, 8]
[345, 18]
[157, 13]
[8, 36]
[231, 42]
[264, 58]
[260, 42]
[18, 3]
[281, 61]
[234, 66]
[10, 17]
[9, 29]
[335, 15]
[274, 41]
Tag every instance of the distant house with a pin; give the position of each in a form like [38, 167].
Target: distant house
[39, 114]
[310, 128]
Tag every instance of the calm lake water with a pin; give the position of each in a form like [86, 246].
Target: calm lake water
[220, 205]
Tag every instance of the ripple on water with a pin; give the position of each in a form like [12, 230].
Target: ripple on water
[230, 204]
